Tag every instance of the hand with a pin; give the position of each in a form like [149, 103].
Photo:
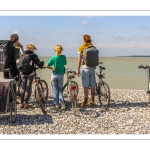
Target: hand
[53, 69]
[78, 73]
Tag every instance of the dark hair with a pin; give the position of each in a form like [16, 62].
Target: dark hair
[14, 37]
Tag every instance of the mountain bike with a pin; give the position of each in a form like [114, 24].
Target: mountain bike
[70, 90]
[148, 73]
[102, 90]
[40, 91]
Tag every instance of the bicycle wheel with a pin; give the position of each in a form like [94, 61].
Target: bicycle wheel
[13, 111]
[18, 87]
[40, 99]
[74, 106]
[104, 95]
[44, 88]
[66, 91]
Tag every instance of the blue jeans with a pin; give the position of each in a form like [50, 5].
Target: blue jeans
[57, 85]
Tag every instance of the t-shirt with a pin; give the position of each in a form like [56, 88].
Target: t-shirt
[58, 62]
[17, 52]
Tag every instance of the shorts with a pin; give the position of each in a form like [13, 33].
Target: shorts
[88, 77]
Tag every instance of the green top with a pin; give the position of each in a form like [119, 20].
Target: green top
[58, 63]
[17, 51]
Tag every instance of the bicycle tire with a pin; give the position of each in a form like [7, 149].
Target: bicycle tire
[74, 106]
[66, 94]
[13, 111]
[44, 89]
[104, 95]
[40, 99]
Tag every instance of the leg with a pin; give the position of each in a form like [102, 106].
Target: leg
[86, 89]
[85, 83]
[24, 83]
[28, 88]
[92, 84]
[54, 83]
[60, 86]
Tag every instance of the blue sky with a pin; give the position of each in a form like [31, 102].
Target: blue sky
[112, 35]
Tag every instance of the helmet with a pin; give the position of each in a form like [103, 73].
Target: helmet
[31, 46]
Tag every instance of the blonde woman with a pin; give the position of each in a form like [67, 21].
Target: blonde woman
[57, 64]
[30, 58]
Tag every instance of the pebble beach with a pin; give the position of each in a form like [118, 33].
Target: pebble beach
[128, 113]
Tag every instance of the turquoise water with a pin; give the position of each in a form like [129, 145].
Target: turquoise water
[121, 72]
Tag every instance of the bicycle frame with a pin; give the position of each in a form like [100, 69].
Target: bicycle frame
[148, 92]
[71, 90]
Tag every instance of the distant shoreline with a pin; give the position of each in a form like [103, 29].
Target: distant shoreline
[102, 56]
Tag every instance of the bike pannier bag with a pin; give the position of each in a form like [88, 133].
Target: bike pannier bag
[6, 54]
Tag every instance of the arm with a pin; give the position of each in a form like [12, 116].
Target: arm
[21, 46]
[49, 67]
[36, 60]
[79, 64]
[49, 64]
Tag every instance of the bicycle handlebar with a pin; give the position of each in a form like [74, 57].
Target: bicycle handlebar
[103, 68]
[146, 67]
[40, 68]
[71, 72]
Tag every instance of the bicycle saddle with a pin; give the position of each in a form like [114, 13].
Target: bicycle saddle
[103, 68]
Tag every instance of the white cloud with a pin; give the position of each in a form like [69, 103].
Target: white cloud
[72, 33]
[15, 32]
[84, 22]
[131, 44]
[72, 45]
[53, 34]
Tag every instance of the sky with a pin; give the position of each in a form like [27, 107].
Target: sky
[112, 35]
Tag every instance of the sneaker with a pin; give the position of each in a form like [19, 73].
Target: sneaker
[62, 105]
[57, 106]
[21, 105]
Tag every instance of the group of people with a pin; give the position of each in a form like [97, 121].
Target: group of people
[57, 64]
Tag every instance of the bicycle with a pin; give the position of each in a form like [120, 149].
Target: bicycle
[148, 73]
[70, 90]
[102, 89]
[40, 91]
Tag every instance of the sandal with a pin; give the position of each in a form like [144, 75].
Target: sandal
[90, 102]
[21, 105]
[82, 104]
[26, 106]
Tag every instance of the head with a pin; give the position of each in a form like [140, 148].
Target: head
[31, 47]
[14, 38]
[58, 50]
[87, 38]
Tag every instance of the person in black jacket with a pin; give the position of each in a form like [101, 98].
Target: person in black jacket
[27, 77]
[11, 53]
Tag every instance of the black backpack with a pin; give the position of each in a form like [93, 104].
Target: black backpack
[24, 63]
[6, 54]
[90, 57]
